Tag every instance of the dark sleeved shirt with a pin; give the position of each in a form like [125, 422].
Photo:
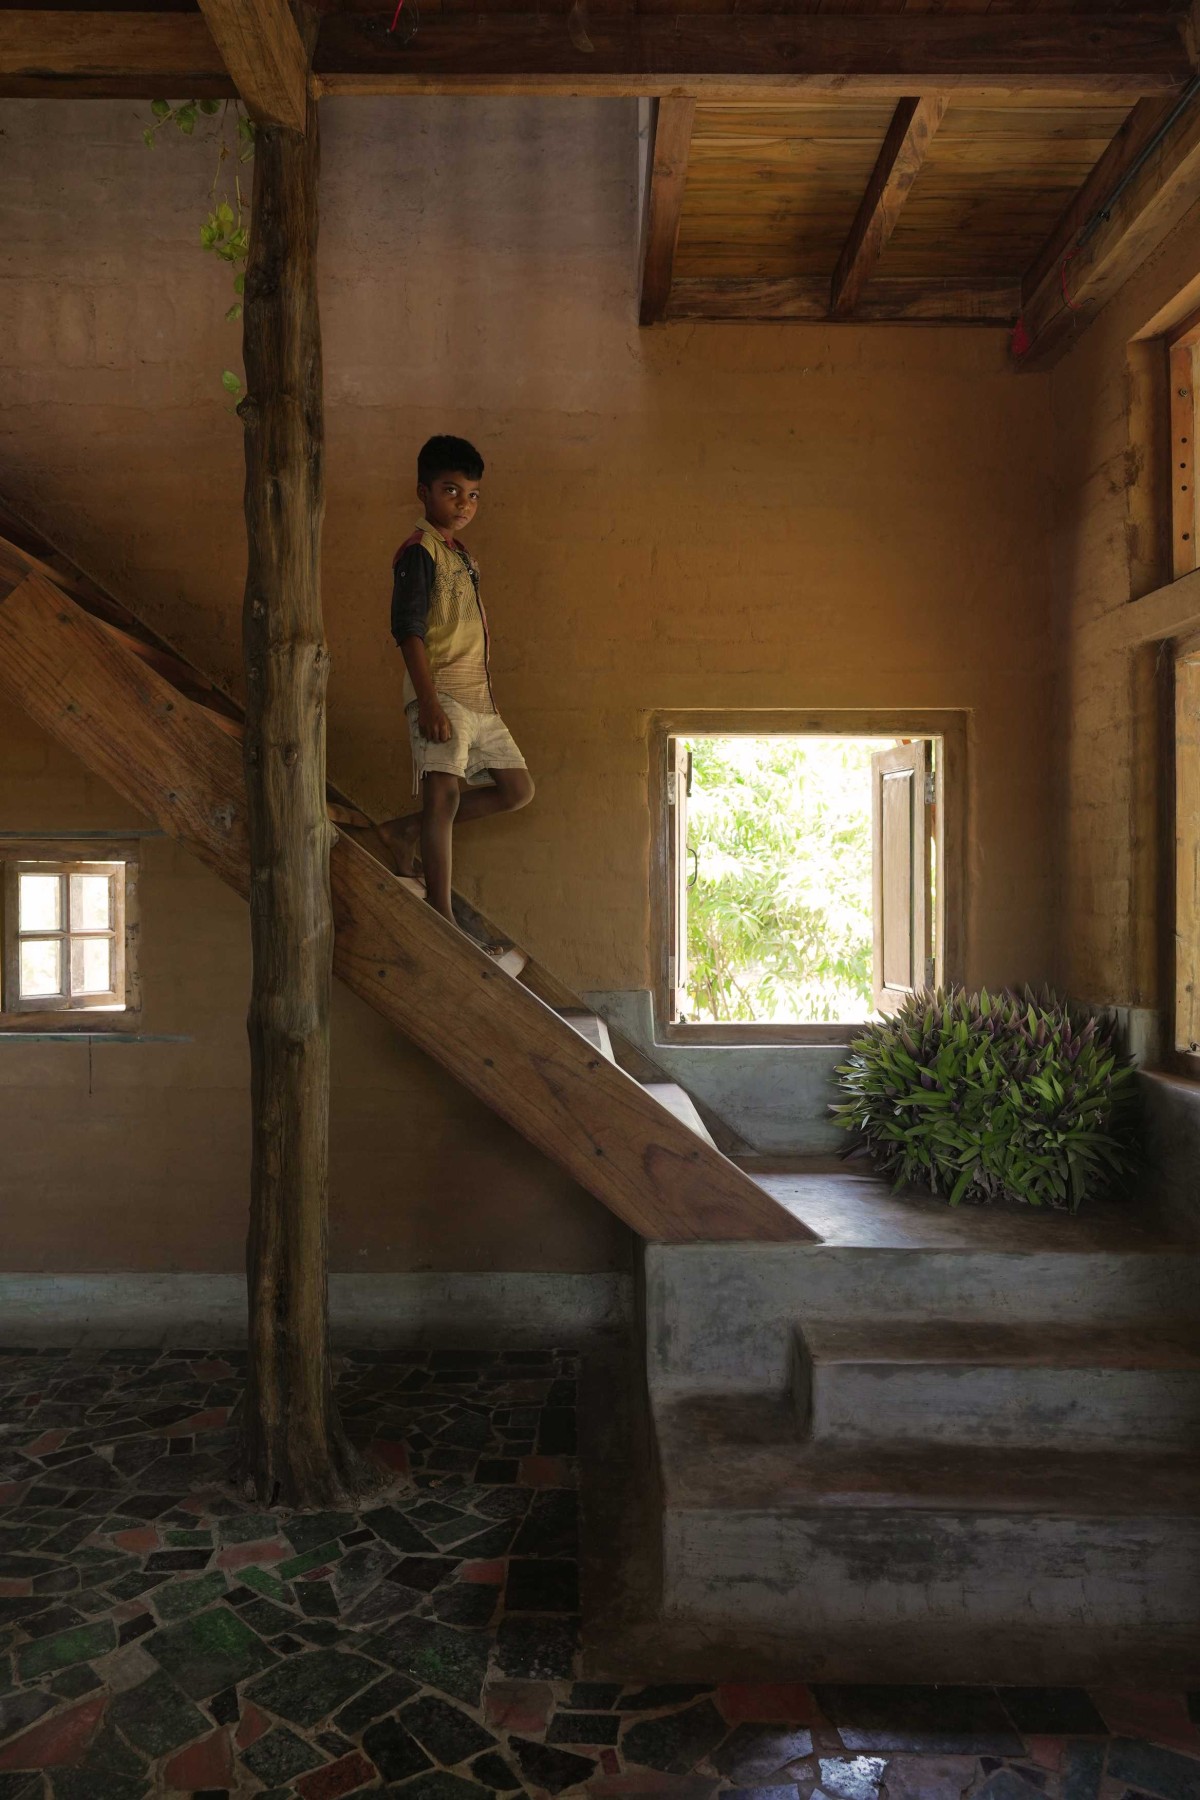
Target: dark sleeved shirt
[412, 591]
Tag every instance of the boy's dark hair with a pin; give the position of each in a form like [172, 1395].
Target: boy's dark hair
[447, 456]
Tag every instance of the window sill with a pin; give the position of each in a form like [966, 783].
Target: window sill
[743, 1036]
[10, 1034]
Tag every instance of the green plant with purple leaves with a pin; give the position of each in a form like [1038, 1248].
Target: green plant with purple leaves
[990, 1097]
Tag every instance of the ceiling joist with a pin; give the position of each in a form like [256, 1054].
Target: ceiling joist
[787, 56]
[671, 138]
[261, 48]
[904, 150]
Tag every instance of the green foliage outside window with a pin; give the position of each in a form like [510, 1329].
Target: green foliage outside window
[779, 913]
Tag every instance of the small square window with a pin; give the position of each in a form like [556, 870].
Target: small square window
[812, 870]
[66, 932]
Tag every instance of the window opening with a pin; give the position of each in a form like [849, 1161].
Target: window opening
[64, 929]
[803, 874]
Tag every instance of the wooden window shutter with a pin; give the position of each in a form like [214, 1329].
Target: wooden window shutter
[1187, 846]
[679, 782]
[900, 867]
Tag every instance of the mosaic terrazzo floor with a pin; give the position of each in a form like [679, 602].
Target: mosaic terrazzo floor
[158, 1637]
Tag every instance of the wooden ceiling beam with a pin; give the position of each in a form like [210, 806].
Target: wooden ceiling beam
[1106, 234]
[119, 55]
[262, 50]
[904, 149]
[894, 300]
[709, 56]
[1144, 120]
[670, 144]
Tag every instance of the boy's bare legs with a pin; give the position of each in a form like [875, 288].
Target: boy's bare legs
[403, 835]
[439, 809]
[444, 806]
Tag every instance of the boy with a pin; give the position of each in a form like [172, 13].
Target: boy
[439, 623]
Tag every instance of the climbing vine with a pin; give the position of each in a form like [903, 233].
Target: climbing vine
[225, 233]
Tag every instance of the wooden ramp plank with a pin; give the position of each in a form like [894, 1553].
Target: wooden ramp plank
[170, 759]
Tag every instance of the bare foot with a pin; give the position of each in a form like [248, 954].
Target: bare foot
[402, 837]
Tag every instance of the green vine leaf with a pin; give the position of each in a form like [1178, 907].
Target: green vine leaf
[226, 231]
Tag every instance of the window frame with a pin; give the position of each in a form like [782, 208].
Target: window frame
[1182, 837]
[65, 857]
[947, 726]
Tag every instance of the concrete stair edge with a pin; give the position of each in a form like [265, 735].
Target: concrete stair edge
[731, 1454]
[1022, 1387]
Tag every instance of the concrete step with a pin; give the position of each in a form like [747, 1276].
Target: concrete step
[678, 1101]
[724, 1315]
[1036, 1385]
[900, 1559]
[589, 1026]
[511, 960]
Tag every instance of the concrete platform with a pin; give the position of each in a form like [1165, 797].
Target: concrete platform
[845, 1203]
[941, 1444]
[1038, 1385]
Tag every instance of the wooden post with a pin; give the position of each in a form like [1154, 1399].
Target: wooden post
[294, 1449]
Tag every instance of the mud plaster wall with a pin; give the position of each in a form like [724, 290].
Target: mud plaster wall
[687, 517]
[1109, 396]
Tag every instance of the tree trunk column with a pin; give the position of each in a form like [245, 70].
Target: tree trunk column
[294, 1448]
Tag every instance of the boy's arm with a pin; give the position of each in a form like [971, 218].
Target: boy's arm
[432, 722]
[412, 590]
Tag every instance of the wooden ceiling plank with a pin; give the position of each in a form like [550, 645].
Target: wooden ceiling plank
[1069, 281]
[904, 149]
[1115, 55]
[262, 50]
[670, 142]
[885, 301]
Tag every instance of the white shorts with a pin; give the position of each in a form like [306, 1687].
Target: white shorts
[479, 742]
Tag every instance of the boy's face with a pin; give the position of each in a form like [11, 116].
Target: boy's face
[450, 501]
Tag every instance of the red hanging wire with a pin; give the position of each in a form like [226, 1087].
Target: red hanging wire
[396, 19]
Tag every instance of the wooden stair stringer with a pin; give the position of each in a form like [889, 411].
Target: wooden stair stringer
[171, 757]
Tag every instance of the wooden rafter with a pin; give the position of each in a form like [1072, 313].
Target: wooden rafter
[261, 48]
[710, 55]
[1136, 132]
[671, 138]
[920, 300]
[904, 149]
[1107, 233]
